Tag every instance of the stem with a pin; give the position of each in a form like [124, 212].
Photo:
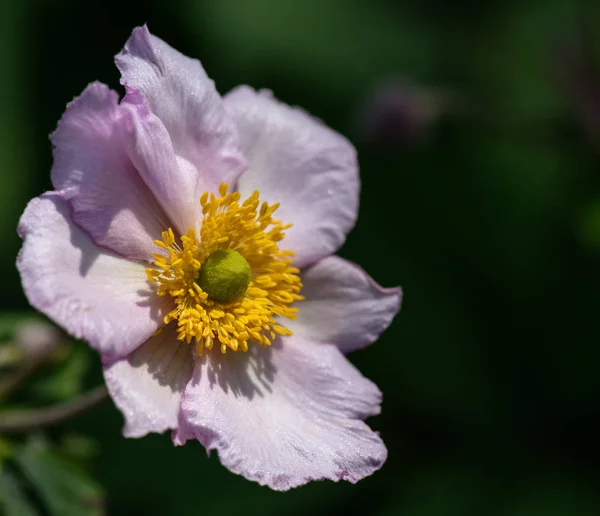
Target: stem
[34, 419]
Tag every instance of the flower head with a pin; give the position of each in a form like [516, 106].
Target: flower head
[189, 240]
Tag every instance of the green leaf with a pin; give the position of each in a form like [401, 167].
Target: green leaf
[13, 501]
[65, 489]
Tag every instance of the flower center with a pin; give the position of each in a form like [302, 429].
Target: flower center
[224, 275]
[230, 281]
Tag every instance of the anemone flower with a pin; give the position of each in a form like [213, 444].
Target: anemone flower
[214, 319]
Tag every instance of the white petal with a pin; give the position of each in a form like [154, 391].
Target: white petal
[107, 196]
[343, 305]
[93, 293]
[284, 415]
[147, 385]
[182, 96]
[298, 161]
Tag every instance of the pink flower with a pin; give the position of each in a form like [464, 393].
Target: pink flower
[206, 323]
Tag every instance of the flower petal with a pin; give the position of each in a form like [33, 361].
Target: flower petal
[343, 305]
[284, 415]
[180, 93]
[299, 162]
[107, 196]
[173, 180]
[93, 293]
[147, 385]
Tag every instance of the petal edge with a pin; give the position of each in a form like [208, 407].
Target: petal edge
[180, 93]
[292, 414]
[343, 305]
[93, 293]
[299, 162]
[107, 196]
[147, 385]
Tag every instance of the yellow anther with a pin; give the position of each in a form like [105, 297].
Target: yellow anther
[245, 235]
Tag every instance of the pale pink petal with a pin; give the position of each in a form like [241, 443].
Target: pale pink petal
[173, 181]
[284, 415]
[180, 93]
[343, 305]
[298, 161]
[107, 196]
[147, 385]
[93, 293]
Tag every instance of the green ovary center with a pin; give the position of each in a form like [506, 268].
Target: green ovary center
[224, 275]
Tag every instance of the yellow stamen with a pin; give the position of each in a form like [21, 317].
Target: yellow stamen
[249, 229]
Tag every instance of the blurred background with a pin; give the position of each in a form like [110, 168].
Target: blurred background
[477, 126]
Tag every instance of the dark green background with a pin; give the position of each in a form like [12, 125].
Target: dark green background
[489, 219]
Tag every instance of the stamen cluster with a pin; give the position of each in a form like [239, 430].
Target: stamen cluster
[249, 229]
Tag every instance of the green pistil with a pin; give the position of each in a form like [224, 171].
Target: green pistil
[224, 275]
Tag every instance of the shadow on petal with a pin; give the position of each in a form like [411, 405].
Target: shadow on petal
[158, 306]
[148, 384]
[166, 359]
[242, 374]
[78, 238]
